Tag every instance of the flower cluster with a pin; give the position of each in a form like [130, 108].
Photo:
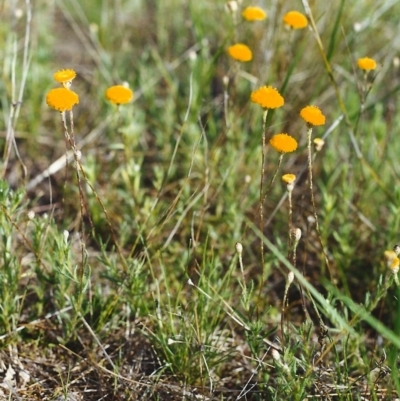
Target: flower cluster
[63, 99]
[240, 51]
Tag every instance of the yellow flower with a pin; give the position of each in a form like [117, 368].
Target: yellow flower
[319, 144]
[390, 256]
[240, 52]
[65, 77]
[394, 267]
[312, 115]
[267, 97]
[254, 14]
[366, 63]
[283, 143]
[62, 99]
[295, 20]
[288, 178]
[119, 94]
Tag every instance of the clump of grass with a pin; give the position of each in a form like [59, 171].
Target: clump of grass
[135, 276]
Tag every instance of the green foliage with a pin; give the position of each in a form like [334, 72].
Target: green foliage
[138, 232]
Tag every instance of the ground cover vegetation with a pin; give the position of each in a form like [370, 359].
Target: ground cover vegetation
[199, 200]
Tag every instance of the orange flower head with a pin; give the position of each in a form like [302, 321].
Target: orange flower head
[65, 77]
[119, 94]
[288, 178]
[240, 52]
[312, 115]
[283, 143]
[267, 97]
[254, 14]
[62, 99]
[295, 20]
[366, 63]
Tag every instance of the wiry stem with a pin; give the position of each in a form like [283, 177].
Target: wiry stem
[289, 281]
[273, 179]
[261, 206]
[290, 215]
[79, 169]
[263, 198]
[310, 179]
[70, 138]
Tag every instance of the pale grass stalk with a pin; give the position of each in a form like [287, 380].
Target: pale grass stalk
[93, 334]
[16, 103]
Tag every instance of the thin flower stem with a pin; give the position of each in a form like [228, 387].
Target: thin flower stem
[285, 303]
[245, 293]
[70, 138]
[79, 169]
[112, 231]
[263, 197]
[273, 179]
[261, 206]
[310, 179]
[290, 216]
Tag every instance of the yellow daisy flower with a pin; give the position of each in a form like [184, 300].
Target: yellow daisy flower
[119, 94]
[254, 14]
[267, 97]
[288, 178]
[295, 20]
[283, 143]
[366, 63]
[240, 52]
[312, 115]
[62, 99]
[65, 77]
